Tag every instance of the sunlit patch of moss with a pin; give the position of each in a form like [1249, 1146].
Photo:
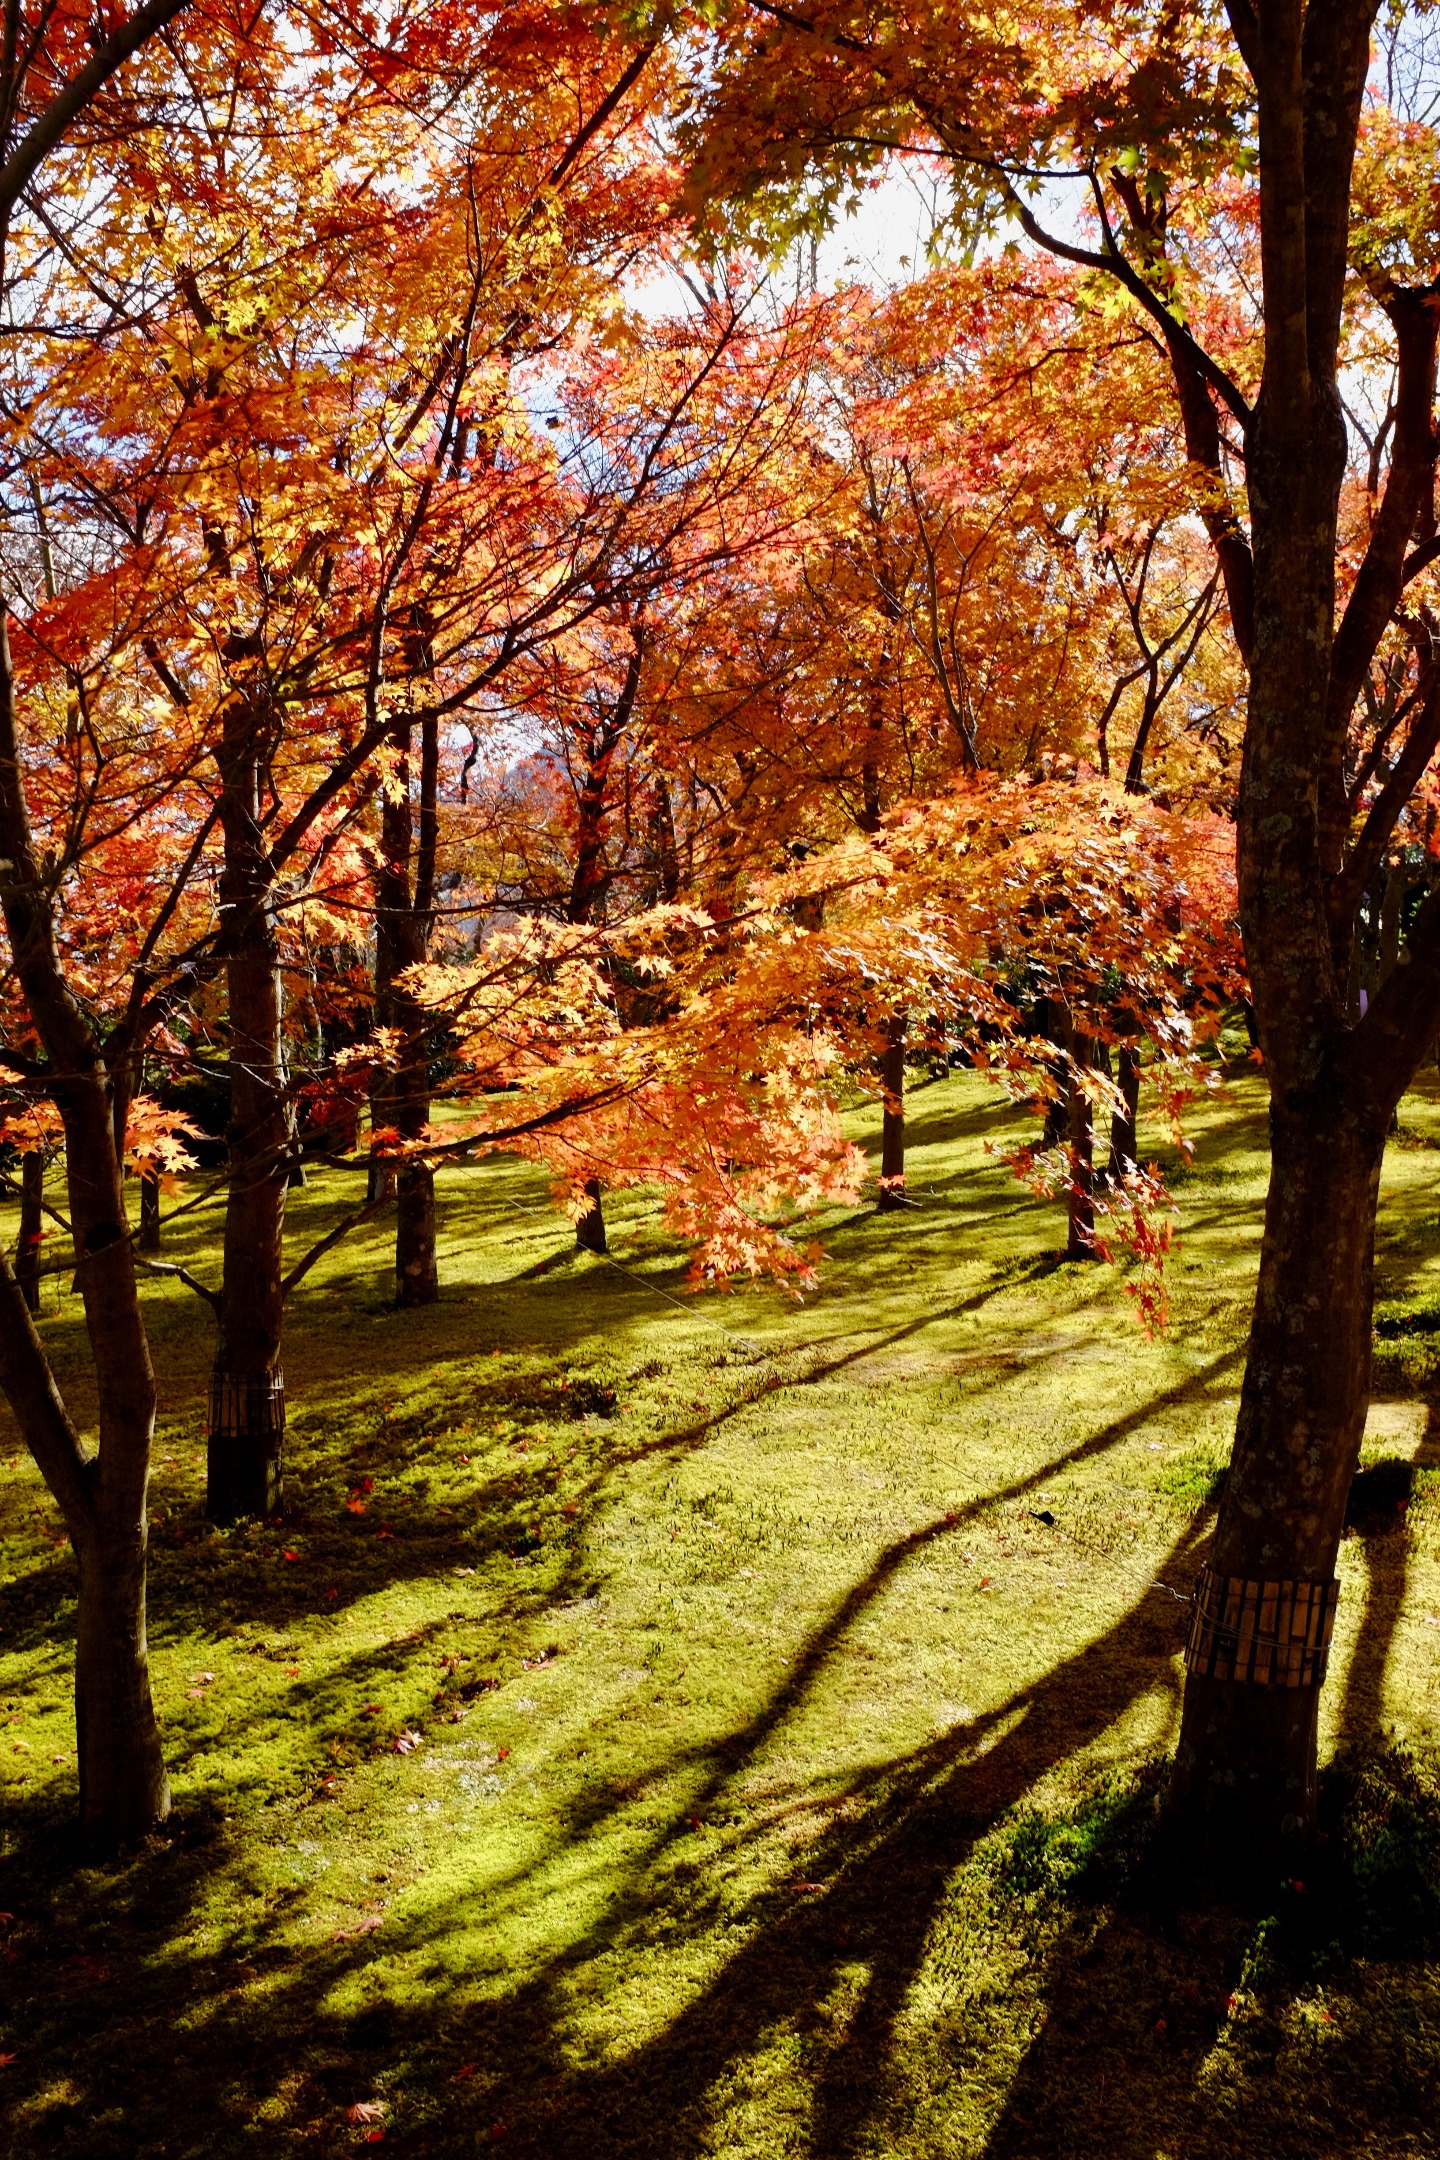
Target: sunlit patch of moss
[704, 1726]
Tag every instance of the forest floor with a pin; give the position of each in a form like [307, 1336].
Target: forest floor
[670, 1727]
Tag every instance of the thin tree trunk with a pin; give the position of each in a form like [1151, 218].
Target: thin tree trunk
[247, 1392]
[586, 883]
[664, 859]
[870, 812]
[32, 1227]
[149, 1238]
[402, 921]
[892, 1130]
[1124, 1155]
[1079, 1195]
[590, 1227]
[1135, 767]
[1052, 1022]
[1392, 915]
[124, 1791]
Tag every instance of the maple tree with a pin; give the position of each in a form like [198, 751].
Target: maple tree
[52, 77]
[424, 655]
[718, 1075]
[326, 527]
[235, 552]
[1221, 205]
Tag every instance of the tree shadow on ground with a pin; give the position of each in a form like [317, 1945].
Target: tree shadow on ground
[879, 1870]
[882, 1865]
[1152, 2043]
[1179, 2013]
[1375, 1518]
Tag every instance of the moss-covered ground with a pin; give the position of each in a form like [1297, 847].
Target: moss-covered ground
[672, 1727]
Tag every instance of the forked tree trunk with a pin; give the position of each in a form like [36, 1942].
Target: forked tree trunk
[123, 1788]
[590, 1227]
[892, 1128]
[32, 1227]
[247, 1392]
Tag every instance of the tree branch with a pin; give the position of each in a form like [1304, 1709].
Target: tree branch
[342, 1229]
[44, 1422]
[67, 105]
[166, 1267]
[1415, 317]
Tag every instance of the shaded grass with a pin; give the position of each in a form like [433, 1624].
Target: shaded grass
[672, 1728]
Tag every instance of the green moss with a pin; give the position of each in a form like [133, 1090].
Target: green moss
[714, 1727]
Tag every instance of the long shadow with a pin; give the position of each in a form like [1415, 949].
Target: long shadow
[934, 1127]
[1169, 2030]
[884, 1872]
[1375, 1516]
[722, 1759]
[730, 1754]
[1138, 2055]
[884, 1878]
[1139, 2010]
[1045, 1723]
[257, 1590]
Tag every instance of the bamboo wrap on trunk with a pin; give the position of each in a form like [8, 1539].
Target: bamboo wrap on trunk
[243, 1402]
[247, 1438]
[1273, 1634]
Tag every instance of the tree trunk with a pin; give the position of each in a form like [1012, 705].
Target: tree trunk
[590, 1227]
[1052, 1023]
[32, 1227]
[892, 1131]
[124, 1791]
[417, 1269]
[665, 861]
[102, 1498]
[402, 922]
[1079, 1191]
[1123, 1145]
[1246, 1765]
[1246, 1772]
[1392, 915]
[149, 1238]
[247, 1395]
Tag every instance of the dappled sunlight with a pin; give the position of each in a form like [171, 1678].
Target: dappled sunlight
[686, 1778]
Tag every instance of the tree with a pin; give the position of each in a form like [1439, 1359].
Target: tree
[50, 83]
[197, 694]
[336, 521]
[1201, 148]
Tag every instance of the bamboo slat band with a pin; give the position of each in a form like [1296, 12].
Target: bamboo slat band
[1274, 1634]
[247, 1403]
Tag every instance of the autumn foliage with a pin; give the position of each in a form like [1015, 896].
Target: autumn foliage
[504, 656]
